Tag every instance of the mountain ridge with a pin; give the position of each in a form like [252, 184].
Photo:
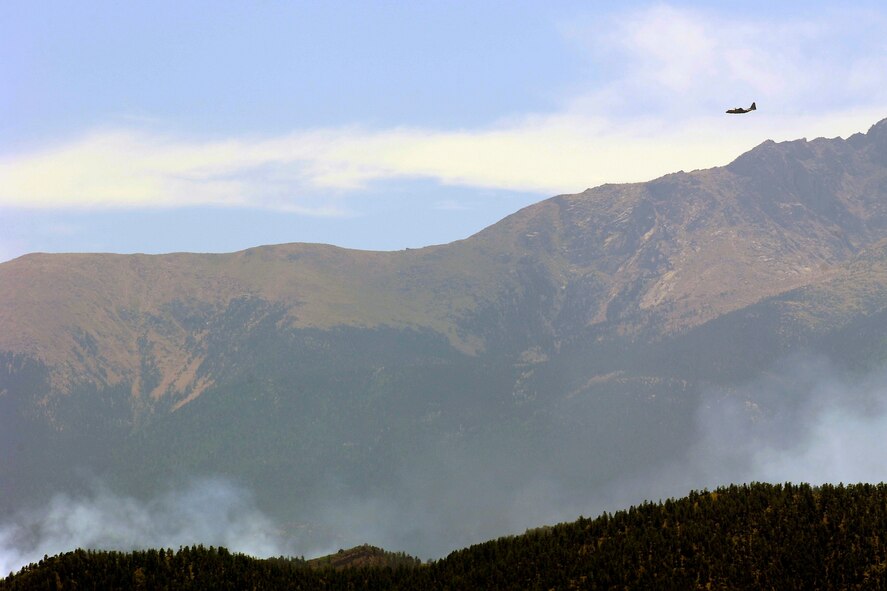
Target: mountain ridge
[645, 244]
[600, 321]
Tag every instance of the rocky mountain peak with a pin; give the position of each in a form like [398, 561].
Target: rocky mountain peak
[665, 255]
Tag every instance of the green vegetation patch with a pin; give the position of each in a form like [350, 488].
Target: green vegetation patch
[757, 536]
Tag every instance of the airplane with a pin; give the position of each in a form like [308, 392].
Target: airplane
[740, 110]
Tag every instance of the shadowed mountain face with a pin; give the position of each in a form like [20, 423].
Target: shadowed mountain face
[564, 348]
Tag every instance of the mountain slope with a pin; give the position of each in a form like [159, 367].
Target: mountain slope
[683, 249]
[583, 331]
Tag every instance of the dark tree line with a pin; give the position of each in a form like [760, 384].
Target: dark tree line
[757, 536]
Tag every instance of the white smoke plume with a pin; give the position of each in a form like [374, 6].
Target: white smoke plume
[804, 421]
[807, 422]
[209, 511]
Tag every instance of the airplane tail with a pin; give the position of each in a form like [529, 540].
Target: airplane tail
[753, 107]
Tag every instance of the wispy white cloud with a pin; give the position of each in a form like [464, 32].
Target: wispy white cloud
[676, 61]
[660, 112]
[123, 168]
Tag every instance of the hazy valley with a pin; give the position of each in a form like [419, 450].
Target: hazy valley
[585, 353]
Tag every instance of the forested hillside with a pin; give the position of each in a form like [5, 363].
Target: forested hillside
[757, 536]
[452, 383]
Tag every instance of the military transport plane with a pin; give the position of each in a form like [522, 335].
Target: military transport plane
[739, 110]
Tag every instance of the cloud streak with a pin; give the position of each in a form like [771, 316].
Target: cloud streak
[662, 111]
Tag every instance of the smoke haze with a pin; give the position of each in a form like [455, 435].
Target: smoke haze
[805, 421]
[208, 511]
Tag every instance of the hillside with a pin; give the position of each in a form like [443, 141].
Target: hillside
[363, 556]
[674, 252]
[563, 353]
[757, 536]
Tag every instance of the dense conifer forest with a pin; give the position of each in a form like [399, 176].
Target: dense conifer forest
[757, 536]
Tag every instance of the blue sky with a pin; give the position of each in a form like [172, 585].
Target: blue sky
[215, 126]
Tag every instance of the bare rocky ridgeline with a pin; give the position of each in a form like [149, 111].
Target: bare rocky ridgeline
[131, 365]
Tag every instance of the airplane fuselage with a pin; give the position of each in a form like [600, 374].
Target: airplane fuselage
[740, 110]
